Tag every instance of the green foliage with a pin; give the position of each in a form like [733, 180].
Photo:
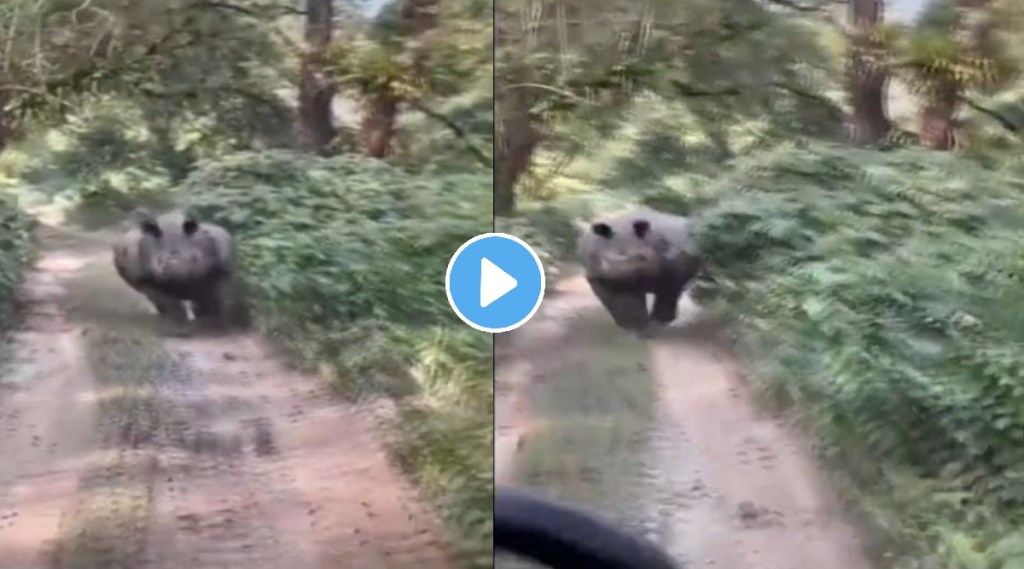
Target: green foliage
[344, 262]
[427, 144]
[448, 434]
[725, 60]
[997, 129]
[881, 293]
[551, 231]
[185, 57]
[951, 51]
[935, 59]
[14, 254]
[100, 157]
[657, 139]
[627, 96]
[116, 152]
[376, 69]
[133, 97]
[440, 79]
[457, 50]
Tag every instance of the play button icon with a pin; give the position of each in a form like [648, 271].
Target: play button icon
[495, 282]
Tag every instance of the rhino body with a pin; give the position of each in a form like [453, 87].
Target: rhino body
[633, 254]
[173, 259]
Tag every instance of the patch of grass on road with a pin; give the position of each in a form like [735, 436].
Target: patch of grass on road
[124, 353]
[592, 411]
[106, 528]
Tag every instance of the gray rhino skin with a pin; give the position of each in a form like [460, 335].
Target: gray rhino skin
[631, 255]
[172, 258]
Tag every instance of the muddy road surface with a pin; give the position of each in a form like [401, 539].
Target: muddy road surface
[124, 447]
[662, 436]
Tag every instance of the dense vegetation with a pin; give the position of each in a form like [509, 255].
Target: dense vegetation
[14, 253]
[350, 150]
[879, 294]
[872, 271]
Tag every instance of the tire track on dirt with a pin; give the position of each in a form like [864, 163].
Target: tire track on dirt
[723, 485]
[46, 421]
[270, 471]
[123, 449]
[770, 506]
[210, 508]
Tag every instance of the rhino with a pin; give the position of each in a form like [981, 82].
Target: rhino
[636, 253]
[173, 258]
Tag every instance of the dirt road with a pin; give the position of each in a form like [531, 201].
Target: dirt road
[122, 447]
[663, 436]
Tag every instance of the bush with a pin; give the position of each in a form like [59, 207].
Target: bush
[881, 293]
[15, 228]
[114, 152]
[344, 261]
[550, 231]
[101, 156]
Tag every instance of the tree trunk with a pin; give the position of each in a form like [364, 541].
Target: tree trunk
[937, 130]
[378, 127]
[316, 91]
[517, 140]
[377, 132]
[973, 29]
[867, 84]
[423, 17]
[516, 134]
[5, 135]
[8, 123]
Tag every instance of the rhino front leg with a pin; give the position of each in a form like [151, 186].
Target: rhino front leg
[627, 307]
[213, 306]
[666, 301]
[166, 306]
[225, 306]
[669, 289]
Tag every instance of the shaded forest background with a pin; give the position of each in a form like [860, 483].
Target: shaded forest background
[856, 184]
[347, 145]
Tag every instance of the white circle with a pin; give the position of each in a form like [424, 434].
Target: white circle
[448, 288]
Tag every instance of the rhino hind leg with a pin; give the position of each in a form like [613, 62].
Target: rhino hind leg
[238, 313]
[627, 307]
[208, 309]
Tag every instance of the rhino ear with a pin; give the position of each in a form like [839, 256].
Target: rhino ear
[602, 230]
[190, 226]
[641, 228]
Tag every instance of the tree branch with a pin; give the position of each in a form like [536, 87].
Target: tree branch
[93, 72]
[689, 91]
[457, 130]
[994, 114]
[819, 9]
[196, 91]
[254, 11]
[796, 91]
[793, 5]
[542, 87]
